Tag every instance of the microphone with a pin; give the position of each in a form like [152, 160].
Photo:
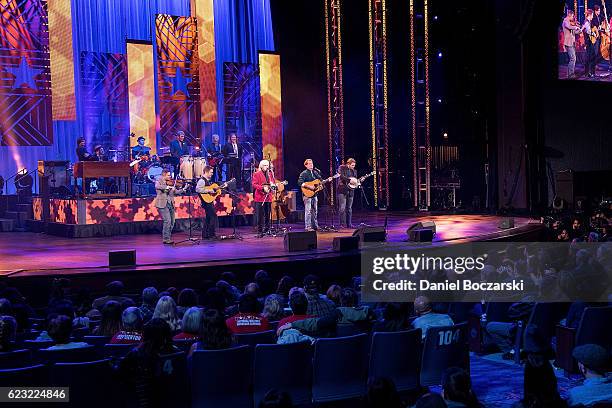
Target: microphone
[316, 169]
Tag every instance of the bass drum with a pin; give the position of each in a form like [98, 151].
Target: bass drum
[186, 167]
[198, 167]
[154, 172]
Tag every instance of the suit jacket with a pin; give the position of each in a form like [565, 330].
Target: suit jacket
[258, 180]
[165, 193]
[176, 151]
[228, 149]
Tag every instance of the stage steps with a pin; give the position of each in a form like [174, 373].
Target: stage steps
[7, 225]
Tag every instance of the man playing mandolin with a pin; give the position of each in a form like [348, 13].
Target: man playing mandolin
[345, 193]
[205, 186]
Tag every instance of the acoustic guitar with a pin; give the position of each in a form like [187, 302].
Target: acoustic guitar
[355, 182]
[311, 188]
[211, 197]
[279, 186]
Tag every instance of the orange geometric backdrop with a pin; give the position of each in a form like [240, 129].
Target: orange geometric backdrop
[141, 86]
[271, 111]
[203, 11]
[63, 100]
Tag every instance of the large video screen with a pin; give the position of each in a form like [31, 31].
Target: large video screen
[584, 41]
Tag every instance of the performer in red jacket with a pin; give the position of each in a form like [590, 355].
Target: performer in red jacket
[263, 184]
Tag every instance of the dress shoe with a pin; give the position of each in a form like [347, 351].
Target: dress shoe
[168, 242]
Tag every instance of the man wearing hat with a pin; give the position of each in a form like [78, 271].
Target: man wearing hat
[140, 149]
[593, 362]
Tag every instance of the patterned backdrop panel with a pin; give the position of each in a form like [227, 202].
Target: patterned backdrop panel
[105, 99]
[25, 80]
[177, 73]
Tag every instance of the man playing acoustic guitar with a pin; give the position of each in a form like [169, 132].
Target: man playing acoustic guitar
[305, 181]
[204, 186]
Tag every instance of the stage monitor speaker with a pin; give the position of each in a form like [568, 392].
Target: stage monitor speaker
[422, 225]
[122, 258]
[371, 234]
[506, 222]
[342, 244]
[421, 235]
[300, 241]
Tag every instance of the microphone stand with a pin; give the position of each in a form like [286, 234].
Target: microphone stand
[234, 234]
[190, 238]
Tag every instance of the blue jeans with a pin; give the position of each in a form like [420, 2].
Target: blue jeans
[345, 208]
[502, 334]
[571, 65]
[168, 216]
[310, 213]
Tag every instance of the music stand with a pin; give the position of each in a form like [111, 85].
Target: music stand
[190, 238]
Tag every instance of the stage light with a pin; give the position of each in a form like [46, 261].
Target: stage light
[439, 54]
[439, 100]
[435, 18]
[445, 135]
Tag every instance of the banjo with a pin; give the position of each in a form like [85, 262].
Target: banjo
[355, 182]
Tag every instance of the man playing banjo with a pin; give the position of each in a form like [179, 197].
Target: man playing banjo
[345, 192]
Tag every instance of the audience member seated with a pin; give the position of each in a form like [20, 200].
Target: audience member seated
[264, 282]
[230, 278]
[214, 299]
[276, 399]
[114, 292]
[382, 393]
[214, 334]
[187, 298]
[318, 305]
[430, 400]
[166, 310]
[21, 311]
[333, 294]
[6, 308]
[273, 311]
[141, 370]
[60, 329]
[230, 293]
[457, 389]
[192, 320]
[282, 290]
[111, 320]
[426, 317]
[503, 334]
[247, 320]
[253, 289]
[395, 318]
[131, 319]
[299, 306]
[149, 300]
[8, 331]
[593, 361]
[348, 311]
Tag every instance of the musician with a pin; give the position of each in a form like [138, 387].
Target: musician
[570, 30]
[81, 151]
[589, 66]
[178, 148]
[310, 203]
[214, 151]
[99, 153]
[345, 193]
[140, 149]
[210, 222]
[164, 201]
[263, 184]
[233, 155]
[597, 23]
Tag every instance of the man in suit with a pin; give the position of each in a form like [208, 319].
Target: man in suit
[233, 155]
[178, 148]
[263, 199]
[164, 201]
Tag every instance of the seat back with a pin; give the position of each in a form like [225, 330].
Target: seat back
[253, 339]
[594, 327]
[79, 333]
[339, 368]
[230, 384]
[37, 345]
[175, 380]
[15, 359]
[397, 355]
[184, 344]
[285, 367]
[33, 376]
[74, 355]
[115, 351]
[89, 382]
[444, 347]
[97, 341]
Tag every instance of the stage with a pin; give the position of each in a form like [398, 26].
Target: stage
[38, 254]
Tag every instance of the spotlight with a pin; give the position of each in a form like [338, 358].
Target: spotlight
[439, 54]
[445, 135]
[439, 100]
[435, 18]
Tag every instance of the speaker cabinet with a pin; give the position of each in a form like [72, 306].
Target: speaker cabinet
[505, 223]
[422, 225]
[300, 241]
[371, 234]
[421, 235]
[343, 244]
[122, 258]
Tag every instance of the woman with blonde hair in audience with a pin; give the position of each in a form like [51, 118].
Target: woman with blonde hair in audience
[166, 310]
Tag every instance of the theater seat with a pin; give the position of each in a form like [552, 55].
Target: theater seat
[33, 376]
[74, 355]
[253, 339]
[15, 359]
[285, 367]
[115, 351]
[90, 383]
[340, 368]
[221, 378]
[444, 347]
[397, 355]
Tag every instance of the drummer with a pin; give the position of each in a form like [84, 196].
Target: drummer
[178, 148]
[140, 149]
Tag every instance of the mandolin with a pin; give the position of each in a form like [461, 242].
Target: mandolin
[211, 197]
[279, 186]
[311, 188]
[355, 182]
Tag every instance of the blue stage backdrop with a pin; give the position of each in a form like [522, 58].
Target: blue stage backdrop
[101, 27]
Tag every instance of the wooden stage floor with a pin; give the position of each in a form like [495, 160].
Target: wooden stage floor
[36, 254]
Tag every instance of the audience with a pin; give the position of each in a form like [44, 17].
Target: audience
[8, 331]
[273, 311]
[111, 320]
[149, 300]
[318, 305]
[276, 399]
[131, 320]
[382, 393]
[426, 317]
[593, 361]
[192, 320]
[284, 286]
[395, 318]
[187, 298]
[166, 310]
[457, 389]
[299, 307]
[431, 400]
[333, 294]
[214, 334]
[114, 292]
[60, 329]
[247, 320]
